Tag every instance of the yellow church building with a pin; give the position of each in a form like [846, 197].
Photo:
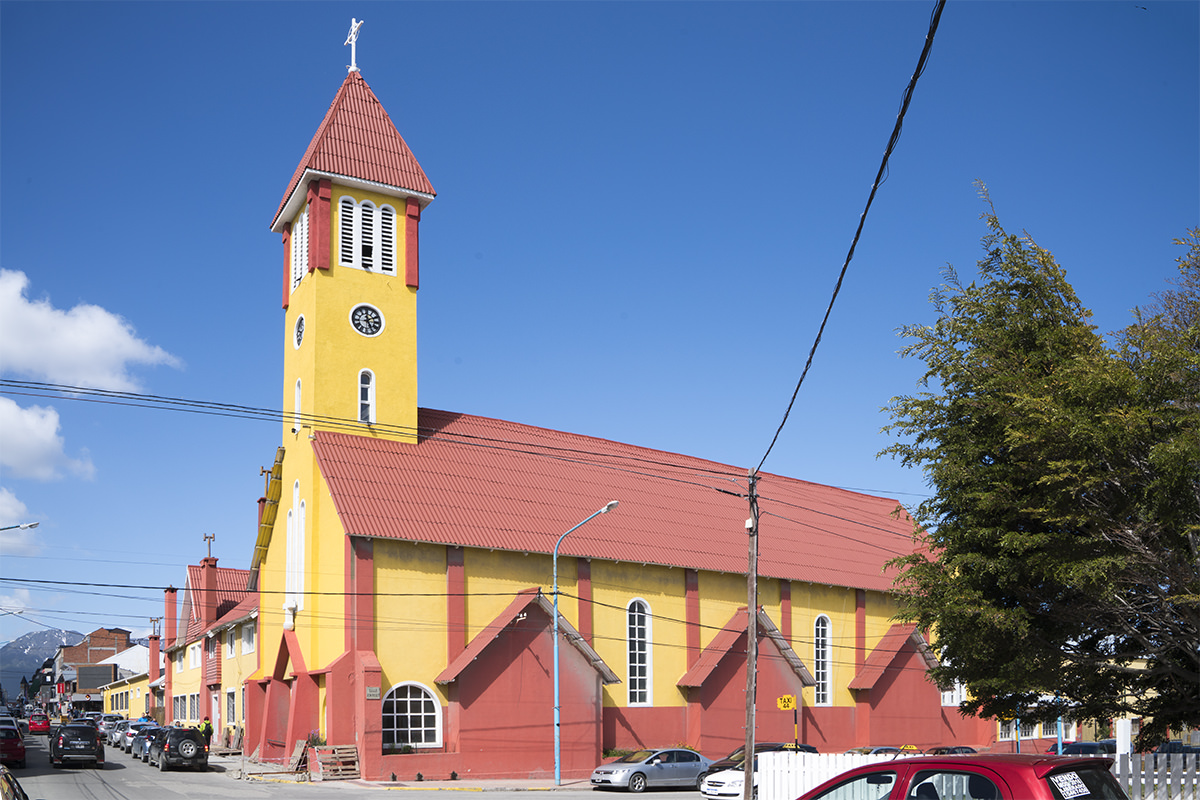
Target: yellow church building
[405, 556]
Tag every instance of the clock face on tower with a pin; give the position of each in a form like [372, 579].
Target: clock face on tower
[366, 320]
[299, 331]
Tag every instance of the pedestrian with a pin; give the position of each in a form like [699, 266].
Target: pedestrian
[206, 729]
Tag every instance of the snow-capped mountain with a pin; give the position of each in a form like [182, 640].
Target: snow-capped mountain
[20, 657]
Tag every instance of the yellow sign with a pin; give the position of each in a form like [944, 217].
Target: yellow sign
[787, 702]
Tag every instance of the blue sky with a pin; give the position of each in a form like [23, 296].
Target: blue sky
[642, 210]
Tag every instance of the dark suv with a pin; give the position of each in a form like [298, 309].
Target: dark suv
[178, 747]
[76, 742]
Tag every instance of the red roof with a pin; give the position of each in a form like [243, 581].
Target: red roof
[231, 591]
[478, 482]
[886, 651]
[358, 140]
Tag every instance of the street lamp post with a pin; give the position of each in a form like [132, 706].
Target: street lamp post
[22, 527]
[557, 708]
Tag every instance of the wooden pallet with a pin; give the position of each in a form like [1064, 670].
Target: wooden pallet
[338, 763]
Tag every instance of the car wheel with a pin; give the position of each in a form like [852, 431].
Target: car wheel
[187, 749]
[21, 764]
[637, 783]
[162, 764]
[700, 780]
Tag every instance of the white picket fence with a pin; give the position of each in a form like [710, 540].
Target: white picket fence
[787, 775]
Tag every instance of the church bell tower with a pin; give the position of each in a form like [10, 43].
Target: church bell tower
[351, 267]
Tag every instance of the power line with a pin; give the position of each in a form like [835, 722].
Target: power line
[880, 176]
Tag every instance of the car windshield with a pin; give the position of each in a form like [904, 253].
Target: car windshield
[634, 758]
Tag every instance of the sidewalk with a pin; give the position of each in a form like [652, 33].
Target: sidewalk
[232, 766]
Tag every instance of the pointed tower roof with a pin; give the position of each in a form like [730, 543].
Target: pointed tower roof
[357, 144]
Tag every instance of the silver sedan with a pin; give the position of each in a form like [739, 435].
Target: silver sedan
[647, 769]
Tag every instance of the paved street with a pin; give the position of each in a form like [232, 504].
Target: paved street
[123, 778]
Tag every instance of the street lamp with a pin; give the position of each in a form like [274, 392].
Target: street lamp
[23, 526]
[557, 709]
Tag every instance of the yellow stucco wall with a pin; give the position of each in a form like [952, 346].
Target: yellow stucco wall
[410, 612]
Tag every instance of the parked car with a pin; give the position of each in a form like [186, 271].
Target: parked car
[875, 751]
[734, 760]
[139, 745]
[646, 769]
[983, 776]
[12, 747]
[116, 733]
[950, 750]
[126, 743]
[10, 787]
[178, 747]
[106, 723]
[76, 742]
[39, 723]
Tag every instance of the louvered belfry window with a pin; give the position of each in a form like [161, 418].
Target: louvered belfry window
[367, 236]
[299, 248]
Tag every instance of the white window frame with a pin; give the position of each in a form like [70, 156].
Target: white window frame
[177, 657]
[823, 661]
[362, 224]
[638, 620]
[430, 697]
[366, 396]
[296, 396]
[294, 578]
[955, 696]
[231, 706]
[299, 247]
[231, 637]
[194, 655]
[249, 632]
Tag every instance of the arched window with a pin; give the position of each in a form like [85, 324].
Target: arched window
[366, 235]
[822, 660]
[294, 577]
[296, 407]
[299, 248]
[366, 397]
[411, 716]
[637, 616]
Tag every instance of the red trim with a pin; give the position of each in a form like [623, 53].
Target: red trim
[691, 582]
[360, 591]
[785, 611]
[412, 272]
[287, 265]
[862, 699]
[319, 228]
[456, 603]
[583, 578]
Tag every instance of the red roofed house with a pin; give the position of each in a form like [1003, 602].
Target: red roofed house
[404, 555]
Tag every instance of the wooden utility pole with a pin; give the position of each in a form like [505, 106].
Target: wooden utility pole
[751, 638]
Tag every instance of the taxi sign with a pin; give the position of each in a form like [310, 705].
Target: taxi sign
[787, 702]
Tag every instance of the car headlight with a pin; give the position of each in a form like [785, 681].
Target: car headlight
[738, 781]
[620, 773]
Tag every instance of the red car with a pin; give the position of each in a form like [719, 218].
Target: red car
[976, 777]
[39, 723]
[12, 747]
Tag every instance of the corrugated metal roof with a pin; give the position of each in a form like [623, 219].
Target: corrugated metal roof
[358, 140]
[231, 591]
[886, 651]
[478, 482]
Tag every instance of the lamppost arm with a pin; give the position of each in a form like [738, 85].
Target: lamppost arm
[609, 506]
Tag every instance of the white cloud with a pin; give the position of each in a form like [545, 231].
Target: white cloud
[15, 542]
[85, 346]
[15, 602]
[32, 447]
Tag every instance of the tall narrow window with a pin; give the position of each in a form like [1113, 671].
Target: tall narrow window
[411, 716]
[387, 239]
[346, 221]
[296, 407]
[638, 641]
[366, 235]
[822, 660]
[366, 397]
[299, 248]
[294, 577]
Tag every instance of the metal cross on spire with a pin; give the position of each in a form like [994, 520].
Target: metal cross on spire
[352, 40]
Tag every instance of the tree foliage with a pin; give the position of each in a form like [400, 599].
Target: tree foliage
[1060, 567]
